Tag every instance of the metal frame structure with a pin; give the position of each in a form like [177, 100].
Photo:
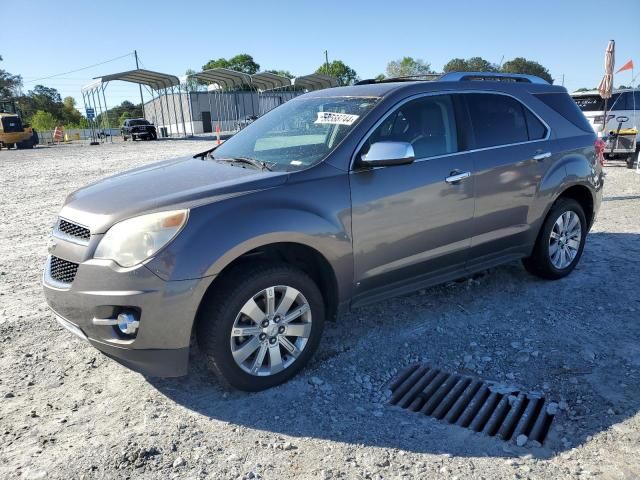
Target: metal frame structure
[315, 81]
[222, 93]
[158, 85]
[225, 90]
[273, 90]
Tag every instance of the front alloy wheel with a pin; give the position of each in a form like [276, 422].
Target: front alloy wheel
[271, 330]
[260, 324]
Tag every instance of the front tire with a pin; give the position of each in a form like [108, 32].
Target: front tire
[261, 325]
[560, 242]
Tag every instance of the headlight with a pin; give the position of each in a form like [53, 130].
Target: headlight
[132, 241]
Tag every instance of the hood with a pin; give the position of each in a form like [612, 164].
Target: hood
[171, 184]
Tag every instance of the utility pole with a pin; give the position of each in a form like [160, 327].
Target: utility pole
[326, 60]
[135, 53]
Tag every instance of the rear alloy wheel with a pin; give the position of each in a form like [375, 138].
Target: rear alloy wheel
[261, 325]
[560, 242]
[565, 239]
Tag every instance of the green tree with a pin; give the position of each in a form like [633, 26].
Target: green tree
[473, 64]
[9, 83]
[282, 73]
[241, 63]
[113, 114]
[522, 65]
[42, 98]
[43, 121]
[70, 115]
[338, 69]
[583, 89]
[407, 67]
[123, 117]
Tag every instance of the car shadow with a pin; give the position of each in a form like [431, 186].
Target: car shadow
[574, 339]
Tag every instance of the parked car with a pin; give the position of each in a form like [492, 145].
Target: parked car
[138, 128]
[623, 120]
[335, 199]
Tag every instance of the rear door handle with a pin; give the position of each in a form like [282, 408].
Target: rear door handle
[457, 176]
[541, 156]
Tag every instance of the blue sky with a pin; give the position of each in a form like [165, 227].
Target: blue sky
[568, 37]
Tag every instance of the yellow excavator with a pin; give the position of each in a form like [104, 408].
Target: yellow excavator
[12, 131]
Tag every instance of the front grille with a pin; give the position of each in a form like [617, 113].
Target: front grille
[62, 270]
[73, 230]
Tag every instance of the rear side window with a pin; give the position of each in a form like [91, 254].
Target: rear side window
[496, 120]
[563, 104]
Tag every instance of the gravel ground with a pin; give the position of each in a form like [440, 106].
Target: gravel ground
[66, 411]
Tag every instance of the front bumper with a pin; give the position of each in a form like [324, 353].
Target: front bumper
[101, 289]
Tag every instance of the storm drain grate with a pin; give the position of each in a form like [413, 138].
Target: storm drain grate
[468, 402]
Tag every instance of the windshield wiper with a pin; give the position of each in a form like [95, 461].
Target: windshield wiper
[247, 161]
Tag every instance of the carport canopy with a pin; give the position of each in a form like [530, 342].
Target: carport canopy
[315, 81]
[154, 80]
[225, 78]
[269, 81]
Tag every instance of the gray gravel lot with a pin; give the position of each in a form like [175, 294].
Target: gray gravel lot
[66, 411]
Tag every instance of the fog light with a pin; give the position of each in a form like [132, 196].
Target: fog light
[128, 323]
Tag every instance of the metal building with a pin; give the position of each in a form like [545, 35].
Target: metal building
[232, 99]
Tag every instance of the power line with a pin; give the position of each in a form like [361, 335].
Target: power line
[79, 69]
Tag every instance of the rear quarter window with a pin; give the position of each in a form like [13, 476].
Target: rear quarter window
[563, 104]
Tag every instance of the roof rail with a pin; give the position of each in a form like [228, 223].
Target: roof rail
[405, 78]
[491, 76]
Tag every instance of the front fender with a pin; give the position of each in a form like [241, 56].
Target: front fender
[219, 233]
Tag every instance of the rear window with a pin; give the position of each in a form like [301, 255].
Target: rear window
[565, 106]
[595, 103]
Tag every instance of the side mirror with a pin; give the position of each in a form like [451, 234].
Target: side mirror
[386, 154]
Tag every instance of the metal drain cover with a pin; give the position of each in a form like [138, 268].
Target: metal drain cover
[468, 402]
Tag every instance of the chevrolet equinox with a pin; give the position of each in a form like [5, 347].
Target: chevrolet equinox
[335, 199]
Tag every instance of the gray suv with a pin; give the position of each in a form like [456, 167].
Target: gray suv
[336, 199]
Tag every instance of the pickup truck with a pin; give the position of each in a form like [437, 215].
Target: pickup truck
[138, 128]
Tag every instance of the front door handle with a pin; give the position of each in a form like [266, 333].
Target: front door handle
[456, 176]
[541, 156]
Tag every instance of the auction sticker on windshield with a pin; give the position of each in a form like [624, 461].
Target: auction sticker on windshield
[336, 118]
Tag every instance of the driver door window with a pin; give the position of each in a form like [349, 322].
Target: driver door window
[427, 123]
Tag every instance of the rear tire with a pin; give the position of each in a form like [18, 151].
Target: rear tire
[633, 158]
[558, 249]
[222, 322]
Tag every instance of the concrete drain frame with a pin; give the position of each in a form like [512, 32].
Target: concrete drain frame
[487, 407]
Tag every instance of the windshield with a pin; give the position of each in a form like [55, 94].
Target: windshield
[595, 103]
[297, 134]
[138, 122]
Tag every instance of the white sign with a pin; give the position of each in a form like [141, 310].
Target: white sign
[336, 118]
